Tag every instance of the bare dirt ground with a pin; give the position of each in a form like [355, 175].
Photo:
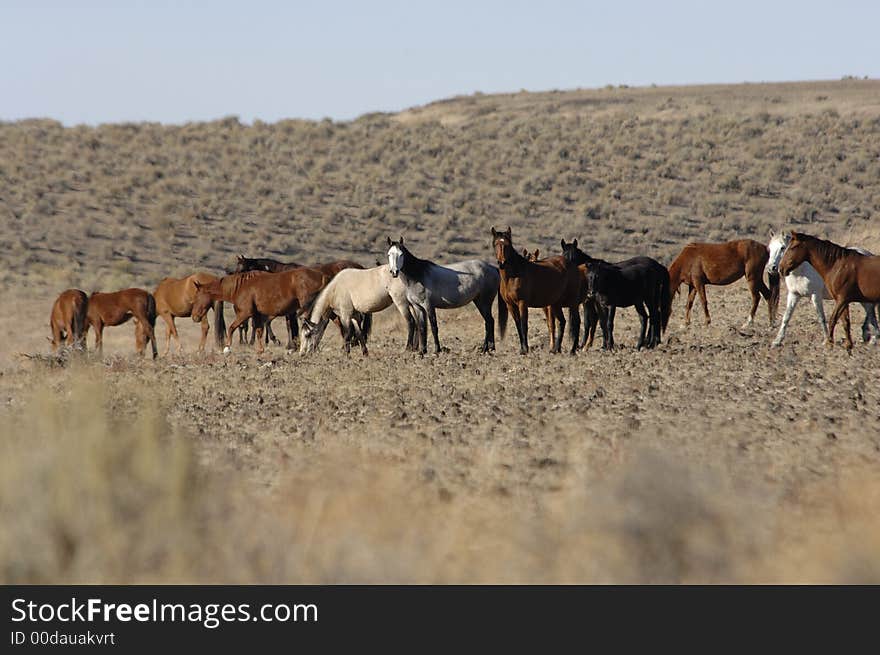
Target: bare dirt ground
[711, 459]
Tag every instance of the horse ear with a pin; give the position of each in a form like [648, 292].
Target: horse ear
[575, 243]
[198, 284]
[772, 233]
[563, 244]
[493, 231]
[401, 240]
[389, 241]
[509, 233]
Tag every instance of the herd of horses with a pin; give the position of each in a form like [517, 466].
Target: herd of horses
[348, 294]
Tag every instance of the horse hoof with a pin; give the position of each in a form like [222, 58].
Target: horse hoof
[227, 350]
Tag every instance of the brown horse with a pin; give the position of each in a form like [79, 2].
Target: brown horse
[849, 275]
[112, 309]
[700, 264]
[68, 319]
[260, 296]
[244, 264]
[546, 283]
[174, 299]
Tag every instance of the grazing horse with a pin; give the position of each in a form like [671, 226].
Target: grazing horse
[849, 275]
[174, 299]
[116, 308]
[354, 295]
[639, 282]
[805, 281]
[68, 319]
[244, 264]
[430, 286]
[700, 264]
[260, 296]
[549, 282]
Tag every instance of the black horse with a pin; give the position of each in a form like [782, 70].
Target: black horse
[639, 282]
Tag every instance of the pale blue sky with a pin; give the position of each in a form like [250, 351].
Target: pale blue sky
[92, 62]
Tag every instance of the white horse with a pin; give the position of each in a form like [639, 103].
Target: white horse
[805, 281]
[430, 286]
[353, 295]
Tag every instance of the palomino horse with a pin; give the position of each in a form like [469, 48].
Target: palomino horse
[68, 319]
[804, 281]
[430, 286]
[849, 275]
[260, 296]
[700, 264]
[354, 295]
[174, 298]
[244, 264]
[112, 309]
[545, 283]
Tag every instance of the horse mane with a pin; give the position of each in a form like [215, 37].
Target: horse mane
[413, 266]
[828, 250]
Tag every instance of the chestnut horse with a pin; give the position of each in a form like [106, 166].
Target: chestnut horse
[68, 319]
[849, 275]
[549, 282]
[261, 297]
[244, 264]
[700, 264]
[118, 307]
[174, 298]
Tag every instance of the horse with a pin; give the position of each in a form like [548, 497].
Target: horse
[261, 296]
[804, 281]
[849, 275]
[549, 282]
[244, 264]
[118, 307]
[68, 319]
[354, 295]
[700, 264]
[174, 298]
[430, 286]
[639, 282]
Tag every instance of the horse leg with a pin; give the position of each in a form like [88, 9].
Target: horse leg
[260, 324]
[692, 293]
[359, 335]
[99, 338]
[869, 325]
[560, 328]
[205, 329]
[485, 310]
[835, 316]
[292, 331]
[173, 327]
[610, 322]
[551, 326]
[754, 289]
[643, 319]
[432, 317]
[574, 318]
[847, 328]
[701, 289]
[239, 320]
[423, 330]
[820, 312]
[790, 304]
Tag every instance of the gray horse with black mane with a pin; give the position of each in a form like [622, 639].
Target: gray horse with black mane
[430, 286]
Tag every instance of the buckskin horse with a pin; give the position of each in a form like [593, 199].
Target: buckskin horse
[68, 319]
[354, 295]
[549, 282]
[849, 275]
[118, 307]
[260, 296]
[174, 298]
[430, 286]
[700, 264]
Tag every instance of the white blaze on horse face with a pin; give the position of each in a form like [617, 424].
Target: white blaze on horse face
[777, 247]
[395, 260]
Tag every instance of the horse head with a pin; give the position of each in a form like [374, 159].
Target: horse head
[573, 255]
[796, 253]
[311, 334]
[776, 247]
[502, 243]
[202, 303]
[396, 254]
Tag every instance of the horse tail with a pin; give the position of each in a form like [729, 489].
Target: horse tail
[773, 280]
[219, 324]
[502, 316]
[151, 310]
[666, 296]
[367, 325]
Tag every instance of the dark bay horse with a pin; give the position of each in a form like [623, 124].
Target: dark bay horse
[640, 282]
[116, 308]
[545, 283]
[68, 319]
[261, 296]
[174, 299]
[700, 264]
[849, 275]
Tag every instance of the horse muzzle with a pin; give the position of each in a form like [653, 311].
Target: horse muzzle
[394, 273]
